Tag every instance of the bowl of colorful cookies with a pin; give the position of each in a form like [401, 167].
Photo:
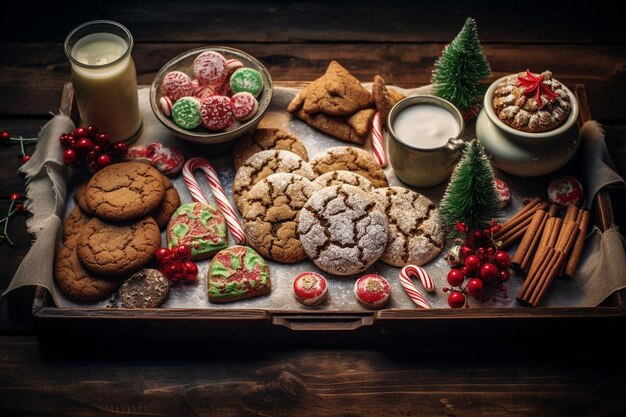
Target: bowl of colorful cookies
[211, 95]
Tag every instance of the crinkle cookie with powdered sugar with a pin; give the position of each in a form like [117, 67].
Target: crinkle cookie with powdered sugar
[415, 235]
[342, 230]
[343, 177]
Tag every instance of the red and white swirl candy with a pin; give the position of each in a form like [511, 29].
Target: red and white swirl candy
[218, 193]
[166, 106]
[411, 289]
[378, 142]
[166, 159]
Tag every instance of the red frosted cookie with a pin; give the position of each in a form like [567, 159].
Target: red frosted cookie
[237, 273]
[310, 288]
[177, 84]
[200, 226]
[216, 113]
[244, 106]
[210, 68]
[372, 291]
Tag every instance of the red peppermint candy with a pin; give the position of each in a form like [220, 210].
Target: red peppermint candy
[244, 106]
[210, 68]
[177, 84]
[216, 113]
[167, 160]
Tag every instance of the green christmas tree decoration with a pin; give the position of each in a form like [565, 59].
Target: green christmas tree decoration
[459, 70]
[471, 196]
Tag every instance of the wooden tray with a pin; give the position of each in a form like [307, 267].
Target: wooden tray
[432, 328]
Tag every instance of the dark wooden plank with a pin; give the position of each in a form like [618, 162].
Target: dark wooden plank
[324, 21]
[280, 382]
[42, 68]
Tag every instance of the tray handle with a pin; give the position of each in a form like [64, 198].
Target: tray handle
[323, 322]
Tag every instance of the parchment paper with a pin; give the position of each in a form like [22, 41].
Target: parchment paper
[588, 287]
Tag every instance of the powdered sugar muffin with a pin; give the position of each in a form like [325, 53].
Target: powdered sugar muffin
[532, 102]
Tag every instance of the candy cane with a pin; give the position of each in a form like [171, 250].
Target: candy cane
[218, 192]
[378, 143]
[411, 289]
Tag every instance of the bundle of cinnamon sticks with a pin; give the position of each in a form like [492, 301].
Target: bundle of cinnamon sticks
[549, 247]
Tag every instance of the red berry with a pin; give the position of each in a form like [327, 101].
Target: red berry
[456, 299]
[477, 234]
[15, 196]
[66, 141]
[455, 277]
[92, 156]
[465, 271]
[92, 131]
[495, 228]
[504, 275]
[176, 270]
[5, 136]
[487, 232]
[191, 271]
[502, 259]
[120, 149]
[182, 252]
[81, 132]
[475, 287]
[83, 145]
[70, 156]
[97, 149]
[25, 158]
[103, 140]
[472, 263]
[466, 251]
[488, 272]
[163, 255]
[19, 208]
[104, 160]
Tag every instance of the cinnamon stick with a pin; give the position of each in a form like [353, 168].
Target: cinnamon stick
[571, 213]
[553, 210]
[579, 244]
[516, 232]
[530, 281]
[526, 213]
[565, 242]
[530, 239]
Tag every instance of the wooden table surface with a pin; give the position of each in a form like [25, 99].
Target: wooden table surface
[584, 43]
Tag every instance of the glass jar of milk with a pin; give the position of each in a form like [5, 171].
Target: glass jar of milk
[105, 78]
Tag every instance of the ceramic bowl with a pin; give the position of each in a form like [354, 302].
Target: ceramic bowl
[201, 135]
[525, 154]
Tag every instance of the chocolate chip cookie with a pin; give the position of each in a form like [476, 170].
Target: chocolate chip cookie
[346, 158]
[267, 139]
[415, 235]
[124, 191]
[270, 216]
[74, 281]
[74, 223]
[118, 249]
[169, 204]
[262, 165]
[342, 230]
[144, 289]
[343, 177]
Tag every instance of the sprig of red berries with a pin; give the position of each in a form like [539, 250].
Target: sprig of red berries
[6, 140]
[16, 207]
[176, 263]
[481, 264]
[89, 148]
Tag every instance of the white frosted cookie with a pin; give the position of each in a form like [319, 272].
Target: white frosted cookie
[342, 229]
[415, 235]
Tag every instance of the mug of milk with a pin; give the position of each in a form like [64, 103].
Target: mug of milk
[105, 78]
[424, 140]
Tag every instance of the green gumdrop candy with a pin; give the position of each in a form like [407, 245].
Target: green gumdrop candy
[186, 113]
[248, 80]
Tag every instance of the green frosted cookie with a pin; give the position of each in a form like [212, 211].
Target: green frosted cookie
[247, 79]
[237, 273]
[186, 113]
[200, 226]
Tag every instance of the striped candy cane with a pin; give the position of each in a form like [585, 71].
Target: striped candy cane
[378, 143]
[218, 193]
[411, 289]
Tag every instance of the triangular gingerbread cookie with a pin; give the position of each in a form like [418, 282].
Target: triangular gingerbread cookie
[336, 93]
[385, 98]
[351, 129]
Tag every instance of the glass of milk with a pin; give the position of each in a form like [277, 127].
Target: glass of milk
[105, 78]
[424, 140]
